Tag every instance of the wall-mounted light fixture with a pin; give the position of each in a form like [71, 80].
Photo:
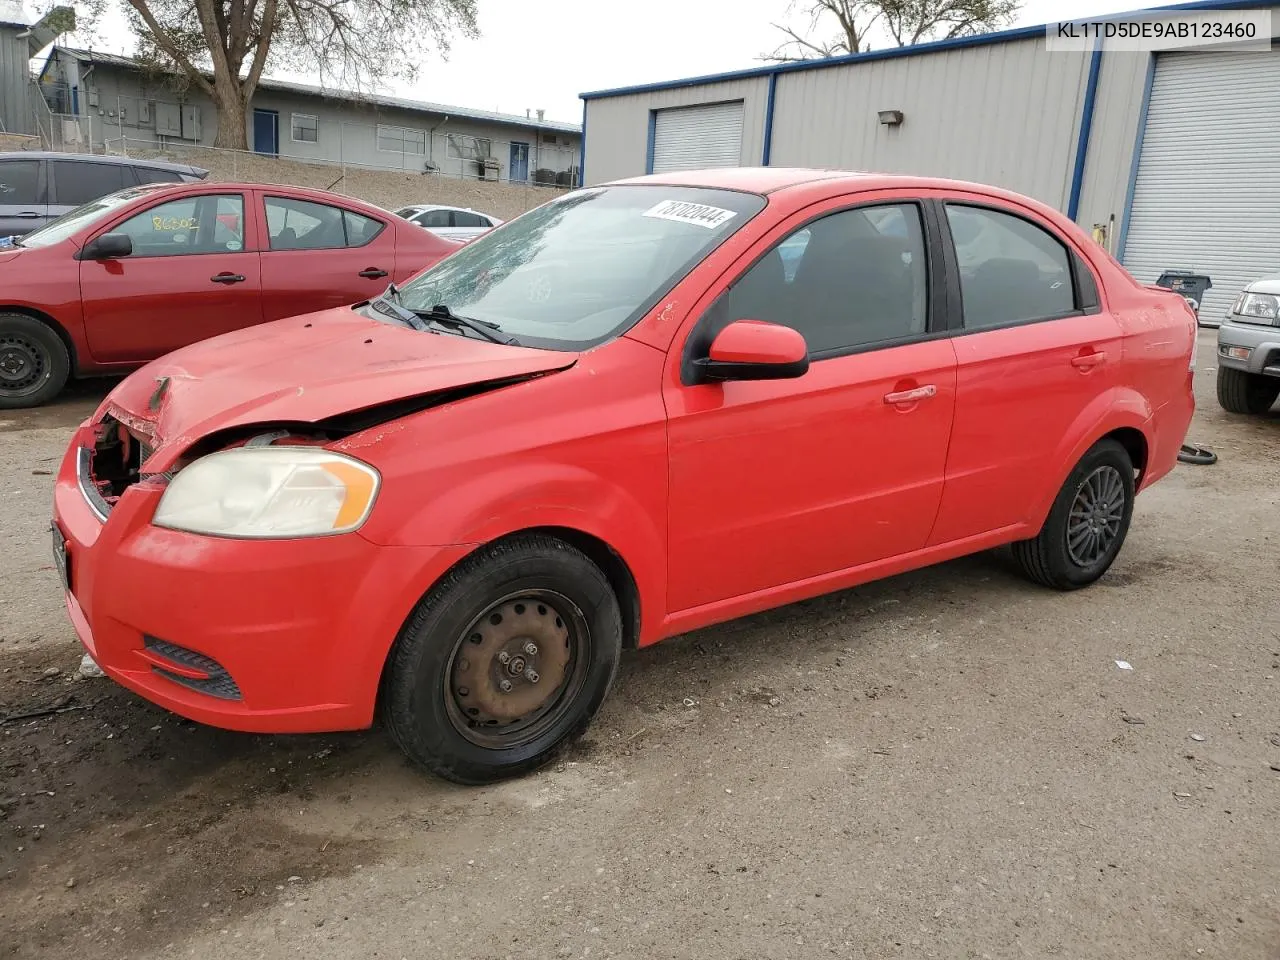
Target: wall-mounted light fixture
[891, 118]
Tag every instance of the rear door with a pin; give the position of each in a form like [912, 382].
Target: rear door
[193, 274]
[319, 255]
[1035, 349]
[75, 182]
[23, 203]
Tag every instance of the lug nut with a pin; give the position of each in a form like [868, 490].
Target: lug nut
[505, 685]
[531, 648]
[503, 657]
[531, 675]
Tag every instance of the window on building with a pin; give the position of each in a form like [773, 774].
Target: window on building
[401, 140]
[77, 181]
[468, 148]
[20, 182]
[1011, 270]
[306, 129]
[192, 225]
[850, 279]
[303, 225]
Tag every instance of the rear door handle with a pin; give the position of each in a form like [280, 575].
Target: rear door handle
[372, 273]
[1088, 361]
[911, 396]
[27, 215]
[227, 278]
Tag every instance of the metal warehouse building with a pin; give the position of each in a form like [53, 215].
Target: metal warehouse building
[1172, 159]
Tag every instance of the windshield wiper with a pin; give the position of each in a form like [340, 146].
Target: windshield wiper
[389, 307]
[441, 314]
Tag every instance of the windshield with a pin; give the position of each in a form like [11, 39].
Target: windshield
[582, 269]
[83, 216]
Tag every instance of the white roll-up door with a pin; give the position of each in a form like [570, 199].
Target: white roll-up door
[1207, 196]
[696, 138]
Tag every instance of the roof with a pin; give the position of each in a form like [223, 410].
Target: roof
[14, 14]
[752, 179]
[982, 39]
[380, 100]
[104, 158]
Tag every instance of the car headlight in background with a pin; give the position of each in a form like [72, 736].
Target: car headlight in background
[269, 493]
[1259, 306]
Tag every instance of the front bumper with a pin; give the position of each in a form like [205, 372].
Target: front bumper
[1262, 342]
[290, 635]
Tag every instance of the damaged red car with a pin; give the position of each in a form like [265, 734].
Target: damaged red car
[637, 410]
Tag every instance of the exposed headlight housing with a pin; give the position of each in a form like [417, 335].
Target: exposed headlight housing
[269, 493]
[1259, 306]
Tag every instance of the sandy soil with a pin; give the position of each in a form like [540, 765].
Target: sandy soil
[945, 764]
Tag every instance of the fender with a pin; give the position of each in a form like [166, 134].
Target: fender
[524, 495]
[1114, 409]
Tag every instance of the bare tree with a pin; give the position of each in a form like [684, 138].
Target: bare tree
[222, 47]
[838, 27]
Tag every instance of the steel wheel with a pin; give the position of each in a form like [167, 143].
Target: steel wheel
[517, 668]
[1093, 525]
[23, 364]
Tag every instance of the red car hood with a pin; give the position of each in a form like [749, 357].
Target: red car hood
[302, 370]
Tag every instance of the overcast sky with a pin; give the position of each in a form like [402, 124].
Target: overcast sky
[533, 55]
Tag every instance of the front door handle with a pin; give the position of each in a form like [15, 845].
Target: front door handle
[227, 278]
[911, 396]
[372, 273]
[27, 215]
[1087, 361]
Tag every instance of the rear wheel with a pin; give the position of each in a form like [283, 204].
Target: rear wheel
[504, 662]
[1242, 392]
[34, 362]
[1087, 524]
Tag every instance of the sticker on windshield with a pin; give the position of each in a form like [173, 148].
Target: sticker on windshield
[697, 213]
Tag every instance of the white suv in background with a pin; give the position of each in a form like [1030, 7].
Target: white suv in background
[452, 223]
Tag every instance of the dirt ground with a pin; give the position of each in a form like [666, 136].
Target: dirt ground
[945, 764]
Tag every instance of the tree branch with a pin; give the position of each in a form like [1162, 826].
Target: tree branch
[162, 40]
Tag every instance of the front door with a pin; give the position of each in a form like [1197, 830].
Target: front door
[775, 482]
[193, 274]
[1034, 351]
[519, 168]
[23, 197]
[266, 132]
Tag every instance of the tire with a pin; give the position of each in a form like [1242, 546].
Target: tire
[34, 362]
[1241, 392]
[1057, 557]
[441, 698]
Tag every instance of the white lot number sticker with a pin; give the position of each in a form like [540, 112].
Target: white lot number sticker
[697, 213]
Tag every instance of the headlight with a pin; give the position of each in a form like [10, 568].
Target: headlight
[1259, 306]
[269, 493]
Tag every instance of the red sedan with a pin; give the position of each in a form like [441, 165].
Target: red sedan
[130, 277]
[635, 411]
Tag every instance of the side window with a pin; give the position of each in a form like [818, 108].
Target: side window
[151, 175]
[303, 225]
[435, 218]
[79, 181]
[192, 225]
[19, 182]
[1010, 269]
[850, 279]
[461, 218]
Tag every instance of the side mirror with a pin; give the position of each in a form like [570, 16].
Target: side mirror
[109, 246]
[755, 350]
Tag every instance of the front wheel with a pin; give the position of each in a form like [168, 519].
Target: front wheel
[504, 661]
[1087, 524]
[1243, 392]
[34, 362]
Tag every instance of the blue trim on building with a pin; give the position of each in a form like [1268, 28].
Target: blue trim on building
[1086, 125]
[768, 119]
[582, 149]
[1136, 158]
[1001, 36]
[648, 150]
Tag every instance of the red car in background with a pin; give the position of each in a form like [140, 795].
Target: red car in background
[131, 276]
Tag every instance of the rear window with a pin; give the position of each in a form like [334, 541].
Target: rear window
[80, 181]
[152, 175]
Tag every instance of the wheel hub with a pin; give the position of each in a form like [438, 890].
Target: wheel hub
[19, 364]
[512, 664]
[1093, 525]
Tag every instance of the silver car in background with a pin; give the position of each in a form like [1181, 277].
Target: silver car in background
[1249, 349]
[452, 223]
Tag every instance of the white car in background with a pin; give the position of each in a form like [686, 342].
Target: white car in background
[452, 223]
